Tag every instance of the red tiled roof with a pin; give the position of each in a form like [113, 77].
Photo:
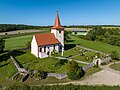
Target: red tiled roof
[46, 39]
[57, 24]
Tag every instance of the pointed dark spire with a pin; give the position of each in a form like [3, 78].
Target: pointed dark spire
[57, 24]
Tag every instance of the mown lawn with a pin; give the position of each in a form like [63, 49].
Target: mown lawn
[7, 71]
[29, 61]
[87, 57]
[17, 42]
[94, 45]
[91, 71]
[48, 80]
[70, 52]
[115, 66]
[75, 53]
[47, 64]
[7, 68]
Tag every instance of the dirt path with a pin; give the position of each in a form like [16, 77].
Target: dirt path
[107, 67]
[107, 76]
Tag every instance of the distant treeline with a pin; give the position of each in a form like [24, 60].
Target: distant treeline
[13, 27]
[90, 26]
[105, 35]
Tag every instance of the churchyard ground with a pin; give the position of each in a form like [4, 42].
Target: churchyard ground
[31, 62]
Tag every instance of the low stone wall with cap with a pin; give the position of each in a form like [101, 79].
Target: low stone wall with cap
[58, 76]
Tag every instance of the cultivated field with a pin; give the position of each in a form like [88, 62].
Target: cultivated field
[20, 32]
[111, 27]
[70, 29]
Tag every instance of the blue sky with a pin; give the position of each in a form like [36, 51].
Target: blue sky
[71, 12]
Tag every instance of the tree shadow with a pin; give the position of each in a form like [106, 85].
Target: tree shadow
[70, 40]
[6, 56]
[4, 65]
[16, 53]
[69, 46]
[4, 51]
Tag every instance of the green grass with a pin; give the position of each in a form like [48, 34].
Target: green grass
[115, 66]
[7, 69]
[46, 64]
[17, 42]
[63, 87]
[94, 45]
[87, 57]
[20, 42]
[48, 80]
[84, 58]
[69, 52]
[29, 61]
[91, 71]
[75, 54]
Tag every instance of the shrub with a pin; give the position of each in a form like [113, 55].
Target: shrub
[74, 71]
[41, 74]
[114, 55]
[28, 45]
[2, 45]
[66, 34]
[61, 62]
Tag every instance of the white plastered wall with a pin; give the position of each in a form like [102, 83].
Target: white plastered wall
[34, 47]
[49, 49]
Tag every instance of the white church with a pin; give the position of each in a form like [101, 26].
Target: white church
[43, 44]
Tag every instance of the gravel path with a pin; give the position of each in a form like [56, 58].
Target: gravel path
[107, 76]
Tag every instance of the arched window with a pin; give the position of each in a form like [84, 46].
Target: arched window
[40, 49]
[44, 49]
[54, 47]
[59, 31]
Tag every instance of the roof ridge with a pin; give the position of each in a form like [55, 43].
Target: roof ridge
[46, 39]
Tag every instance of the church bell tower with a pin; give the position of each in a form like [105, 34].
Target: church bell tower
[58, 31]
